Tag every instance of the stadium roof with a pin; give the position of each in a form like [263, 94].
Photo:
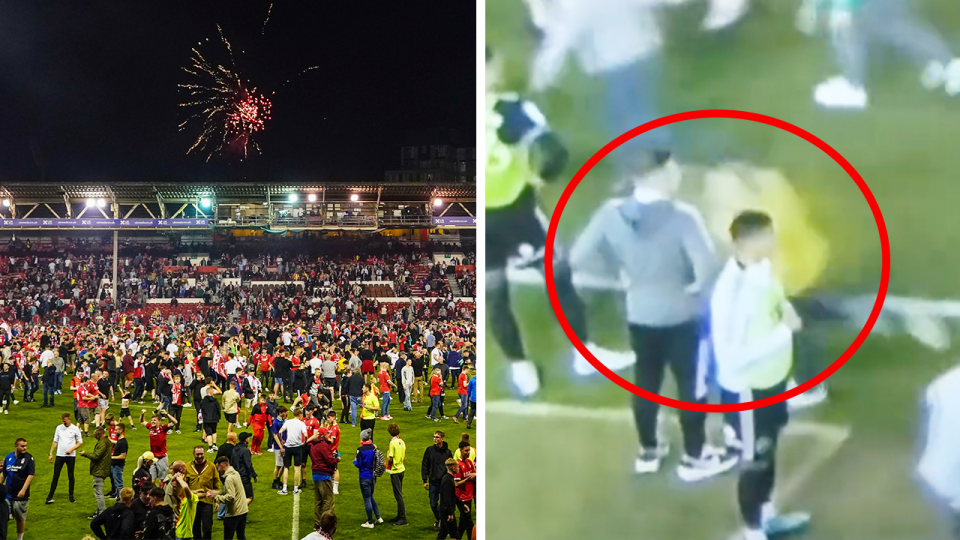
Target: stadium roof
[141, 192]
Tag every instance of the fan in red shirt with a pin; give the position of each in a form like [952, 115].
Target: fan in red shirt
[158, 442]
[259, 418]
[465, 481]
[462, 382]
[333, 433]
[313, 431]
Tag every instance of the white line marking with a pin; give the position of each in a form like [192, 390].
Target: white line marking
[829, 437]
[296, 517]
[567, 412]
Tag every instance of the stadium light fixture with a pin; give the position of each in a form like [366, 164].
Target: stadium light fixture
[354, 197]
[6, 203]
[205, 202]
[437, 202]
[292, 197]
[312, 197]
[101, 203]
[91, 203]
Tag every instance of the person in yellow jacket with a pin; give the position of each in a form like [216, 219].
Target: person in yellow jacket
[371, 408]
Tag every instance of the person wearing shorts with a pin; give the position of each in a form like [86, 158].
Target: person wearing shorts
[17, 474]
[292, 449]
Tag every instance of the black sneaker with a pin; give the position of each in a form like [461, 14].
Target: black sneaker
[436, 525]
[94, 515]
[72, 499]
[400, 523]
[49, 501]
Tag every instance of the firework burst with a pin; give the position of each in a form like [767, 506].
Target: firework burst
[228, 110]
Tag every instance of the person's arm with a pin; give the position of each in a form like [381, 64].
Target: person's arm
[700, 250]
[26, 486]
[593, 243]
[98, 524]
[183, 484]
[53, 447]
[559, 38]
[425, 468]
[171, 418]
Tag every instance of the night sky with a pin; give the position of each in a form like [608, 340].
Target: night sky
[92, 85]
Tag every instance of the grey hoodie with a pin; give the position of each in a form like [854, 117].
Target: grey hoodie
[662, 250]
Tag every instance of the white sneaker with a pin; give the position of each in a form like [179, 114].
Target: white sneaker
[15, 402]
[723, 13]
[929, 331]
[6, 411]
[952, 77]
[367, 525]
[613, 360]
[710, 464]
[808, 399]
[839, 93]
[526, 380]
[379, 520]
[754, 534]
[934, 76]
[648, 461]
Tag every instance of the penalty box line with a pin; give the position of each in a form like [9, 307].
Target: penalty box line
[830, 437]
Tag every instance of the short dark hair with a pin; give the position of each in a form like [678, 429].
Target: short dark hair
[222, 459]
[464, 444]
[748, 223]
[65, 415]
[145, 488]
[393, 430]
[328, 522]
[18, 441]
[156, 492]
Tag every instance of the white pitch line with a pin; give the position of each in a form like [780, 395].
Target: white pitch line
[296, 517]
[567, 412]
[829, 437]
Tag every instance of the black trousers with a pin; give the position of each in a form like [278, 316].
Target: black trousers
[759, 433]
[448, 527]
[57, 467]
[203, 522]
[466, 518]
[6, 395]
[396, 480]
[658, 348]
[235, 524]
[368, 424]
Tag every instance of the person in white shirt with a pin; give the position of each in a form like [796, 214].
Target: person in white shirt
[286, 336]
[66, 440]
[172, 348]
[406, 378]
[939, 465]
[292, 449]
[45, 357]
[751, 325]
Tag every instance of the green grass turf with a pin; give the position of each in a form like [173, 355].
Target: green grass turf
[902, 146]
[271, 515]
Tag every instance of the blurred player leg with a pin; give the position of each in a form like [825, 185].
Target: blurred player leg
[724, 13]
[849, 43]
[631, 101]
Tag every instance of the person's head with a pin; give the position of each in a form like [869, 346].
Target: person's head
[98, 433]
[452, 466]
[155, 419]
[121, 429]
[232, 437]
[409, 362]
[298, 413]
[110, 419]
[156, 496]
[243, 438]
[126, 496]
[659, 173]
[465, 437]
[262, 398]
[753, 236]
[66, 418]
[438, 438]
[222, 463]
[328, 523]
[210, 391]
[464, 447]
[393, 430]
[20, 445]
[198, 455]
[282, 412]
[145, 493]
[366, 388]
[147, 458]
[176, 378]
[366, 435]
[331, 417]
[273, 396]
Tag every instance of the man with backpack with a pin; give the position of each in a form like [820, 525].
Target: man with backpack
[370, 462]
[117, 522]
[161, 521]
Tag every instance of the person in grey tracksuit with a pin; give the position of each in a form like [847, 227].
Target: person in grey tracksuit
[667, 258]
